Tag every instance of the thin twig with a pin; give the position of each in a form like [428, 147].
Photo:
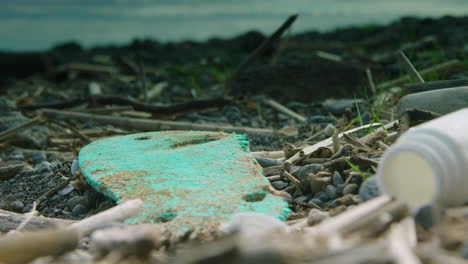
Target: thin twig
[267, 43]
[283, 109]
[150, 108]
[16, 130]
[410, 68]
[151, 124]
[371, 80]
[325, 143]
[117, 213]
[447, 67]
[28, 218]
[295, 181]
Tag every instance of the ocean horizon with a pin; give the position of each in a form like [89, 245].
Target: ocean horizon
[41, 24]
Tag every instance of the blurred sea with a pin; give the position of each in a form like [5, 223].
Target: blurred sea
[39, 24]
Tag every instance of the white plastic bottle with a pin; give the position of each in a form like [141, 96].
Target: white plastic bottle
[429, 163]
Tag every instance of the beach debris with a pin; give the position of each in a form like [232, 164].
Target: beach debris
[180, 176]
[151, 124]
[441, 101]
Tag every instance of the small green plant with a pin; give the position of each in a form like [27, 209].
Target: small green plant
[356, 169]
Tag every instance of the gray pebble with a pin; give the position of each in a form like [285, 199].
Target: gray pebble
[337, 179]
[17, 156]
[7, 202]
[79, 209]
[331, 192]
[301, 199]
[279, 185]
[369, 189]
[38, 157]
[266, 162]
[338, 106]
[43, 167]
[333, 204]
[423, 217]
[72, 202]
[329, 130]
[356, 179]
[350, 189]
[17, 206]
[322, 196]
[303, 173]
[340, 188]
[315, 216]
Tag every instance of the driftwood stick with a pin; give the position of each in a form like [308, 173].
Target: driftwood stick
[447, 67]
[120, 100]
[283, 109]
[267, 43]
[14, 131]
[117, 213]
[325, 143]
[370, 78]
[401, 242]
[333, 230]
[152, 125]
[84, 67]
[66, 124]
[25, 247]
[435, 85]
[269, 154]
[10, 221]
[413, 73]
[294, 181]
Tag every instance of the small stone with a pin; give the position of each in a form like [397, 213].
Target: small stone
[72, 202]
[17, 156]
[232, 113]
[43, 167]
[80, 209]
[337, 179]
[38, 157]
[315, 216]
[322, 196]
[266, 162]
[55, 198]
[329, 130]
[350, 189]
[303, 174]
[68, 189]
[297, 194]
[369, 189]
[423, 217]
[340, 188]
[330, 190]
[279, 185]
[333, 204]
[301, 199]
[338, 106]
[320, 119]
[7, 202]
[17, 206]
[356, 179]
